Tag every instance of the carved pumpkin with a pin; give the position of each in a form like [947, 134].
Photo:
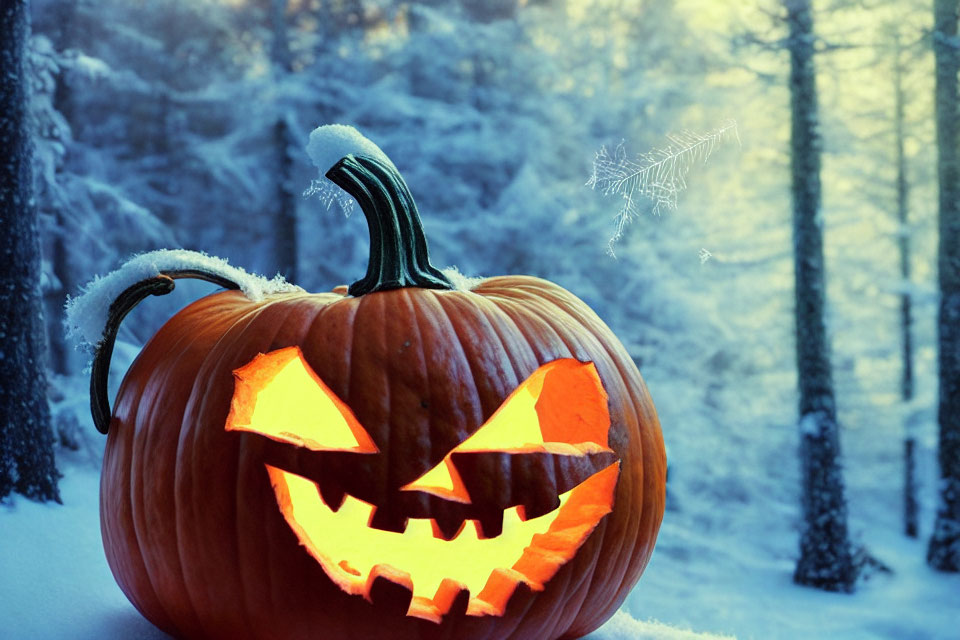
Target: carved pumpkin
[405, 460]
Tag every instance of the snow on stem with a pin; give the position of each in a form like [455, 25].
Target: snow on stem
[327, 145]
[87, 313]
[94, 317]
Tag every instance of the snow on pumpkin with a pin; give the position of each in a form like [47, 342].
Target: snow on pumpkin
[433, 517]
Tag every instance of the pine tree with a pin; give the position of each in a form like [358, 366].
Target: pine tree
[26, 440]
[286, 227]
[944, 550]
[910, 505]
[826, 560]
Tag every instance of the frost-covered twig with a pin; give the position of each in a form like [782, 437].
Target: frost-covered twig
[657, 176]
[87, 313]
[328, 194]
[327, 145]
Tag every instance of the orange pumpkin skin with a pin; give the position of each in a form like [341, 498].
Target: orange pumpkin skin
[191, 526]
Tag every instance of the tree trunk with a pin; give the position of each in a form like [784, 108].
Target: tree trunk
[63, 102]
[26, 440]
[59, 350]
[286, 230]
[910, 505]
[825, 559]
[944, 550]
[69, 38]
[280, 46]
[285, 233]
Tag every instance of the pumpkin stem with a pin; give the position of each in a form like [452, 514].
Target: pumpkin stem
[398, 246]
[159, 285]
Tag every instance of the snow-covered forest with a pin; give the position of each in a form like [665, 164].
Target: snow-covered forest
[183, 124]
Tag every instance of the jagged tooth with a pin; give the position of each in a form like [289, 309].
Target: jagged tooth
[390, 589]
[356, 511]
[447, 527]
[470, 530]
[387, 520]
[419, 527]
[514, 516]
[332, 495]
[479, 607]
[503, 586]
[452, 598]
[539, 505]
[490, 524]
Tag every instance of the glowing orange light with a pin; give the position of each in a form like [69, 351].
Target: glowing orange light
[279, 396]
[533, 550]
[560, 409]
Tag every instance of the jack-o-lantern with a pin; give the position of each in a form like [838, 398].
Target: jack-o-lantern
[405, 460]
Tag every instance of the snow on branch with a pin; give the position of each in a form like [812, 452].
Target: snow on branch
[329, 143]
[657, 176]
[87, 313]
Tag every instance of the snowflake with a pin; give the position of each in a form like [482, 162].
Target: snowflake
[658, 175]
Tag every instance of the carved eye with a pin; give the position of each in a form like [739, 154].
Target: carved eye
[539, 488]
[279, 396]
[560, 408]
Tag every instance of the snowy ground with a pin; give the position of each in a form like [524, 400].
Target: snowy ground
[725, 553]
[55, 583]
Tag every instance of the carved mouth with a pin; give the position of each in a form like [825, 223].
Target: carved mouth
[439, 575]
[509, 505]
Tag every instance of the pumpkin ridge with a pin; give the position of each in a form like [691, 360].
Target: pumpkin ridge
[188, 467]
[381, 302]
[135, 568]
[494, 317]
[185, 511]
[419, 341]
[129, 570]
[452, 314]
[186, 341]
[449, 336]
[367, 306]
[173, 365]
[624, 485]
[318, 324]
[639, 535]
[249, 586]
[151, 354]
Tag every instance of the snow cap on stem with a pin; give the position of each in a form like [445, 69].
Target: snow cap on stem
[331, 142]
[328, 144]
